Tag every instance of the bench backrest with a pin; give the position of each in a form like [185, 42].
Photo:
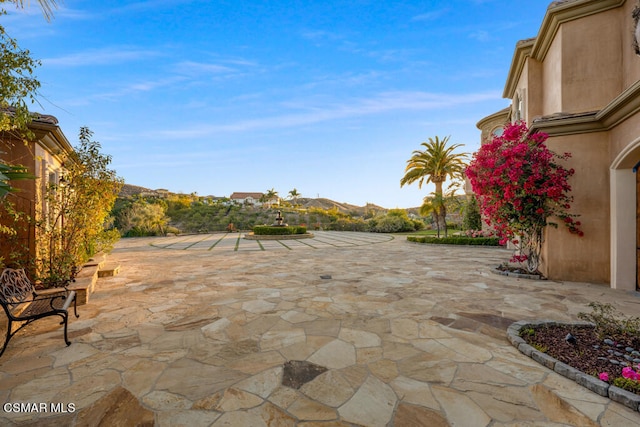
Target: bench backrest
[15, 286]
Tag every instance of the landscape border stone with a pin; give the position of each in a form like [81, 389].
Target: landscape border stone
[627, 398]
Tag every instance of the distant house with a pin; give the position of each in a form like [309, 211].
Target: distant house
[274, 201]
[247, 198]
[44, 157]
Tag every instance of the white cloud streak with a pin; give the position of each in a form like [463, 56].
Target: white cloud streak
[430, 16]
[194, 68]
[382, 103]
[107, 56]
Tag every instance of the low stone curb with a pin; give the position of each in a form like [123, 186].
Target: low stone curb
[617, 394]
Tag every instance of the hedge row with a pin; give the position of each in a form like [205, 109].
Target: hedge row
[456, 240]
[262, 230]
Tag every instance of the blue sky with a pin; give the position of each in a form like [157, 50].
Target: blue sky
[328, 97]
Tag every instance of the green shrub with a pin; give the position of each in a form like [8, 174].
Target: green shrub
[472, 220]
[391, 224]
[263, 230]
[627, 384]
[418, 224]
[348, 224]
[610, 321]
[456, 240]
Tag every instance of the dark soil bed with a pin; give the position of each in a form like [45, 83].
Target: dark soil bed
[518, 270]
[589, 353]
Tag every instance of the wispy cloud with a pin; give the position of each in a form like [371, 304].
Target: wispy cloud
[322, 35]
[182, 73]
[195, 68]
[122, 91]
[480, 35]
[431, 16]
[149, 5]
[72, 14]
[106, 56]
[307, 113]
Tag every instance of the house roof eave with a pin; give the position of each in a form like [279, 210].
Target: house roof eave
[620, 109]
[557, 13]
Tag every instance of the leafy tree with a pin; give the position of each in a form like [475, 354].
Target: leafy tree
[141, 218]
[11, 172]
[72, 228]
[17, 85]
[472, 219]
[394, 221]
[435, 164]
[521, 186]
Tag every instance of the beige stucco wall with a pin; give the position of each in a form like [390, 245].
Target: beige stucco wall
[490, 123]
[535, 93]
[591, 61]
[621, 136]
[568, 256]
[551, 82]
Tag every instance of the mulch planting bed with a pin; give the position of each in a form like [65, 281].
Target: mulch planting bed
[586, 351]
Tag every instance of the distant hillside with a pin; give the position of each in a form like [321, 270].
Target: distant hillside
[324, 203]
[129, 190]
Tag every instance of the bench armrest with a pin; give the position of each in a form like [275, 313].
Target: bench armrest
[70, 297]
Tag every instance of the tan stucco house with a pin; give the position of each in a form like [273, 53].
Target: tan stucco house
[43, 156]
[578, 81]
[246, 198]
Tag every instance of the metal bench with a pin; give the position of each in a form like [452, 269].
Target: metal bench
[23, 304]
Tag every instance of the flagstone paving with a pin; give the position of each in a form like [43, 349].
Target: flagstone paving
[380, 331]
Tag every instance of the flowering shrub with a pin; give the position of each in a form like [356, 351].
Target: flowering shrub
[521, 185]
[630, 374]
[478, 233]
[630, 379]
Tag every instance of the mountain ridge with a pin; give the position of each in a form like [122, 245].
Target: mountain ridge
[130, 190]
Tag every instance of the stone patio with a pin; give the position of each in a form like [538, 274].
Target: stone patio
[372, 330]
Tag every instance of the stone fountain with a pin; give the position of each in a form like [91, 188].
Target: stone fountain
[279, 221]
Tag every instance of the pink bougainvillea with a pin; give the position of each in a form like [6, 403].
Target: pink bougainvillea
[521, 185]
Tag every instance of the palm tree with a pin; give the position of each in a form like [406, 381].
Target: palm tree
[47, 6]
[435, 164]
[433, 204]
[269, 196]
[294, 194]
